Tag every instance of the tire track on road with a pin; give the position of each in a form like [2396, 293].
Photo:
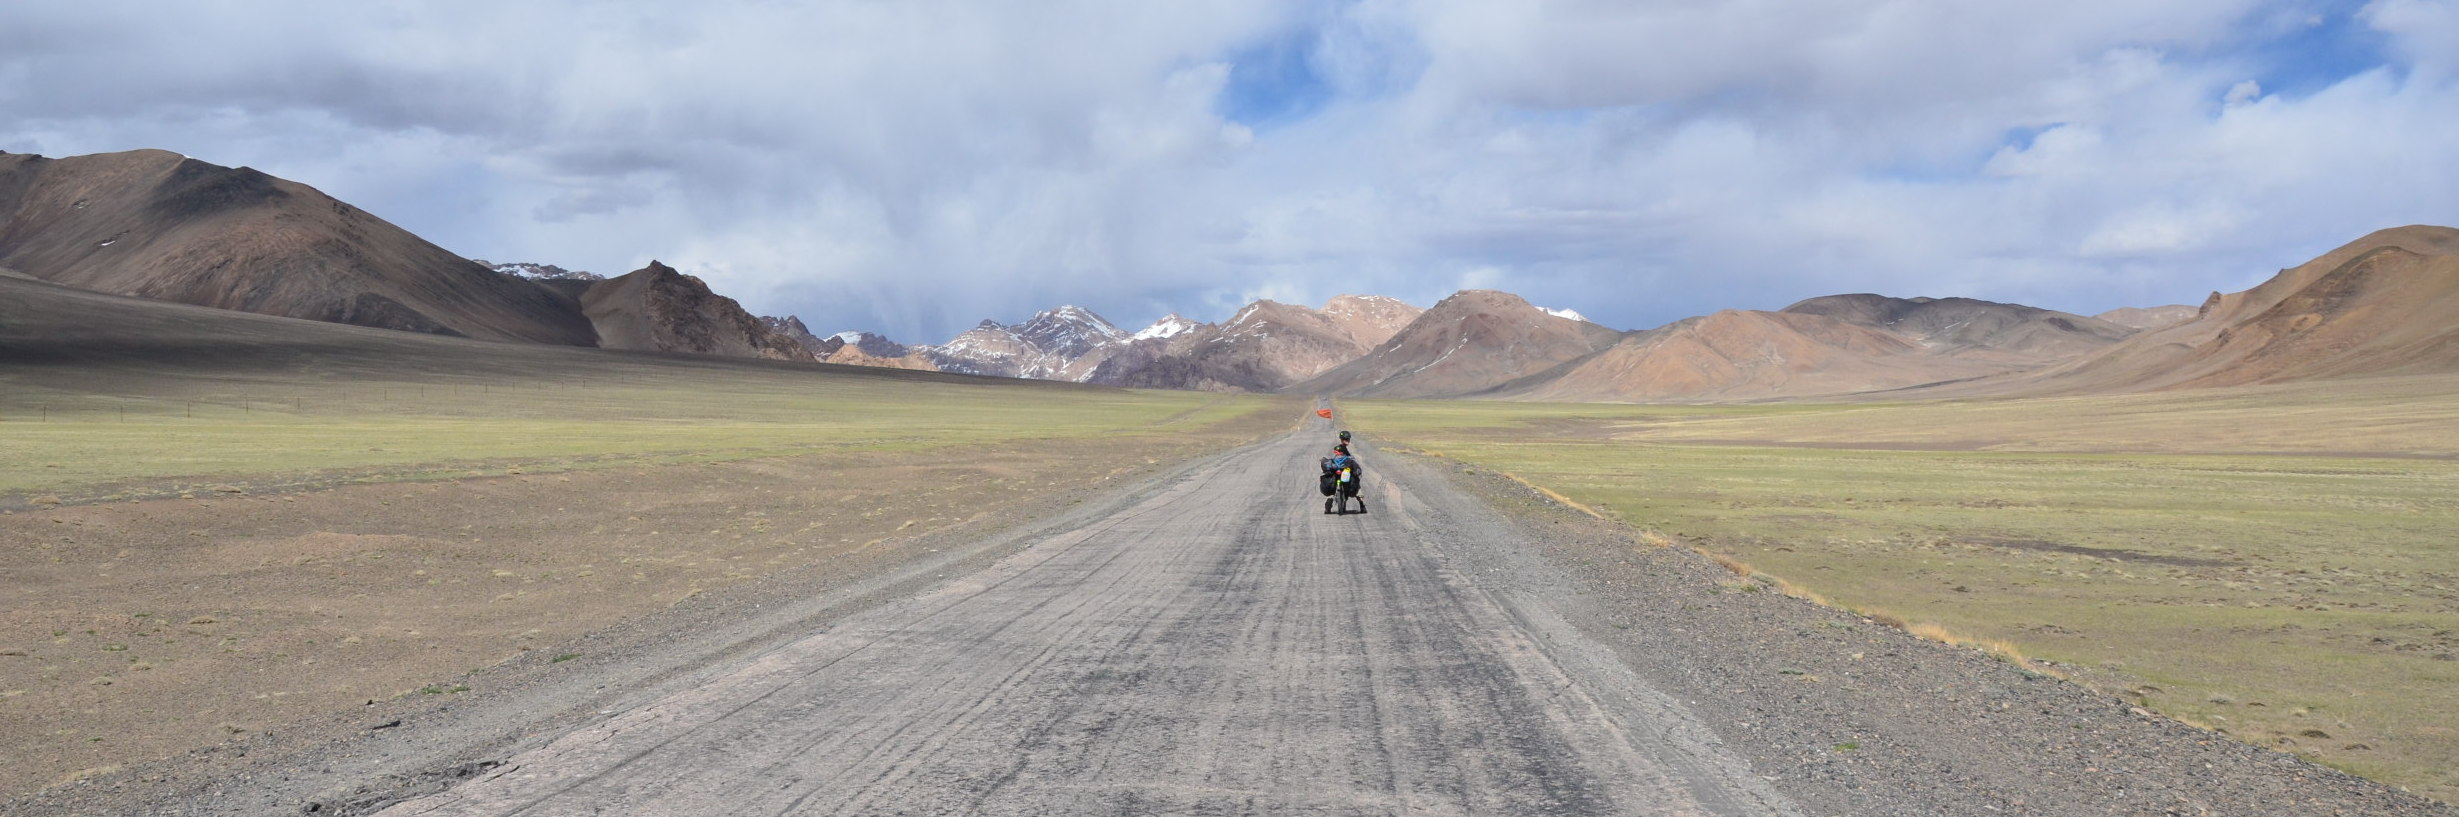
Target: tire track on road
[1220, 647]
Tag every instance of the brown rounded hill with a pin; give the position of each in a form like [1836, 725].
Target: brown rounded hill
[155, 224]
[161, 226]
[1833, 345]
[2380, 305]
[1472, 342]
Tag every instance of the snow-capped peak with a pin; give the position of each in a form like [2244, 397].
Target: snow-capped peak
[1070, 331]
[1347, 302]
[1072, 315]
[1244, 313]
[539, 272]
[1566, 313]
[1064, 343]
[872, 343]
[1168, 327]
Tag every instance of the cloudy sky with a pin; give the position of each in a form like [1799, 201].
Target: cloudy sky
[916, 166]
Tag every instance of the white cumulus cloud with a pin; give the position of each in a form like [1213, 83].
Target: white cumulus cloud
[919, 166]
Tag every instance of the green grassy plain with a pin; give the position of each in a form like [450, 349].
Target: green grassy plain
[148, 435]
[174, 571]
[2280, 563]
[103, 397]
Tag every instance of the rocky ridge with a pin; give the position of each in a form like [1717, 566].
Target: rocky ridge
[872, 344]
[658, 309]
[792, 327]
[538, 272]
[1265, 347]
[1065, 343]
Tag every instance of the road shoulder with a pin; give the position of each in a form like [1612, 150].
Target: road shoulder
[1843, 715]
[393, 748]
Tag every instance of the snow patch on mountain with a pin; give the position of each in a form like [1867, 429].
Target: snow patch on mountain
[1567, 313]
[1344, 304]
[871, 344]
[1168, 327]
[1065, 343]
[1071, 331]
[792, 327]
[538, 272]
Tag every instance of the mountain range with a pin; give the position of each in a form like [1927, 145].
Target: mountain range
[154, 224]
[2379, 305]
[157, 225]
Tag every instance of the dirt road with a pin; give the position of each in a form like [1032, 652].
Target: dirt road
[1208, 642]
[1219, 646]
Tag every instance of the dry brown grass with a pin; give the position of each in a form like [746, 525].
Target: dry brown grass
[1996, 647]
[1745, 571]
[1800, 592]
[2277, 547]
[326, 552]
[1735, 566]
[226, 615]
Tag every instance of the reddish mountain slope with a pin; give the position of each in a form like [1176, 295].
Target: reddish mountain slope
[858, 348]
[1834, 345]
[1739, 354]
[854, 355]
[1369, 320]
[1471, 342]
[1964, 327]
[1265, 347]
[2150, 317]
[159, 225]
[2377, 306]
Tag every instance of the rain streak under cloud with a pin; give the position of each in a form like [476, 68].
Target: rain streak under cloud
[915, 167]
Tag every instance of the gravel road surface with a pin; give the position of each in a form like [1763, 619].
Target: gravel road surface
[1209, 642]
[1221, 646]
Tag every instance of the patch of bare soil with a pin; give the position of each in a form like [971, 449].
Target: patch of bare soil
[2112, 554]
[1854, 445]
[149, 648]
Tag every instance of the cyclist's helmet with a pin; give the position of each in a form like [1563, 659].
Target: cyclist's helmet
[1344, 436]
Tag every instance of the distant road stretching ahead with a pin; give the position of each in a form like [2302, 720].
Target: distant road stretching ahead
[1221, 647]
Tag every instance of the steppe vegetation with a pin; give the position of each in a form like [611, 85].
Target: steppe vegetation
[137, 436]
[213, 528]
[2274, 563]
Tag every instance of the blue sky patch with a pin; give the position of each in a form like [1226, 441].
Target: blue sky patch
[1275, 82]
[2021, 138]
[2314, 50]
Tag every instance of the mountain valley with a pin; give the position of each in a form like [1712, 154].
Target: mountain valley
[159, 225]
